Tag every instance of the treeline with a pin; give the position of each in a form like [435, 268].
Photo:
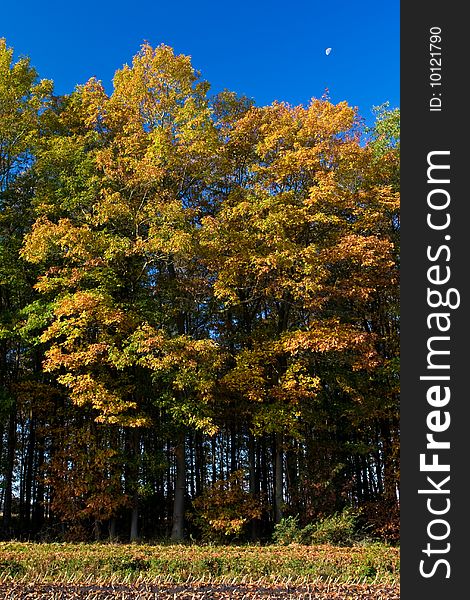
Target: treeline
[199, 308]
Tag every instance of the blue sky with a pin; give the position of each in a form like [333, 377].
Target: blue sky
[266, 50]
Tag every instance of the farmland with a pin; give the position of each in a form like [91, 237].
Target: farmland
[99, 571]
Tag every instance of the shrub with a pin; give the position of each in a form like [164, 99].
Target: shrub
[338, 529]
[223, 511]
[383, 521]
[287, 531]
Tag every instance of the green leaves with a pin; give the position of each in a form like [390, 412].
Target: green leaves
[201, 265]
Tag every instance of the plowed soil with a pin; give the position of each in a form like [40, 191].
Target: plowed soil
[325, 591]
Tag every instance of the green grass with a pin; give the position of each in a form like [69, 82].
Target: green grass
[118, 563]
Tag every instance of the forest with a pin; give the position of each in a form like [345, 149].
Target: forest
[199, 309]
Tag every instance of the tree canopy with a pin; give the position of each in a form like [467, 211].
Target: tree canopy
[199, 306]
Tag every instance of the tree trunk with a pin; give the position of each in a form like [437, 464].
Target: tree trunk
[38, 499]
[192, 467]
[214, 459]
[28, 486]
[7, 503]
[278, 478]
[390, 477]
[97, 530]
[292, 479]
[112, 529]
[177, 531]
[134, 535]
[254, 480]
[200, 466]
[233, 449]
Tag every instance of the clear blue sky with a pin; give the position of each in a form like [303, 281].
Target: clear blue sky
[266, 50]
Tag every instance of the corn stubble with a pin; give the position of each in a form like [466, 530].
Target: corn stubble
[193, 591]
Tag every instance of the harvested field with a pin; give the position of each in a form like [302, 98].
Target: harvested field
[63, 571]
[320, 591]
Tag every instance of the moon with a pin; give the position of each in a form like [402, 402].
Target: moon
[327, 51]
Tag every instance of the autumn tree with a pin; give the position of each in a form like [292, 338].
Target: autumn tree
[116, 234]
[23, 100]
[293, 241]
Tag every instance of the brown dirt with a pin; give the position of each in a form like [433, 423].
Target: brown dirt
[325, 591]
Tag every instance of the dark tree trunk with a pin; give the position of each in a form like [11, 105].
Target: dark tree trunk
[10, 464]
[264, 468]
[214, 459]
[278, 478]
[97, 530]
[38, 512]
[292, 477]
[254, 479]
[200, 467]
[134, 535]
[177, 531]
[233, 449]
[135, 444]
[192, 467]
[28, 484]
[169, 487]
[254, 476]
[389, 461]
[378, 463]
[112, 529]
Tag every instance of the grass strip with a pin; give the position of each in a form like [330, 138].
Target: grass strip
[106, 563]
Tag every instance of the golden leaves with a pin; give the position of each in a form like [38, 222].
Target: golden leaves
[48, 241]
[266, 231]
[226, 507]
[330, 335]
